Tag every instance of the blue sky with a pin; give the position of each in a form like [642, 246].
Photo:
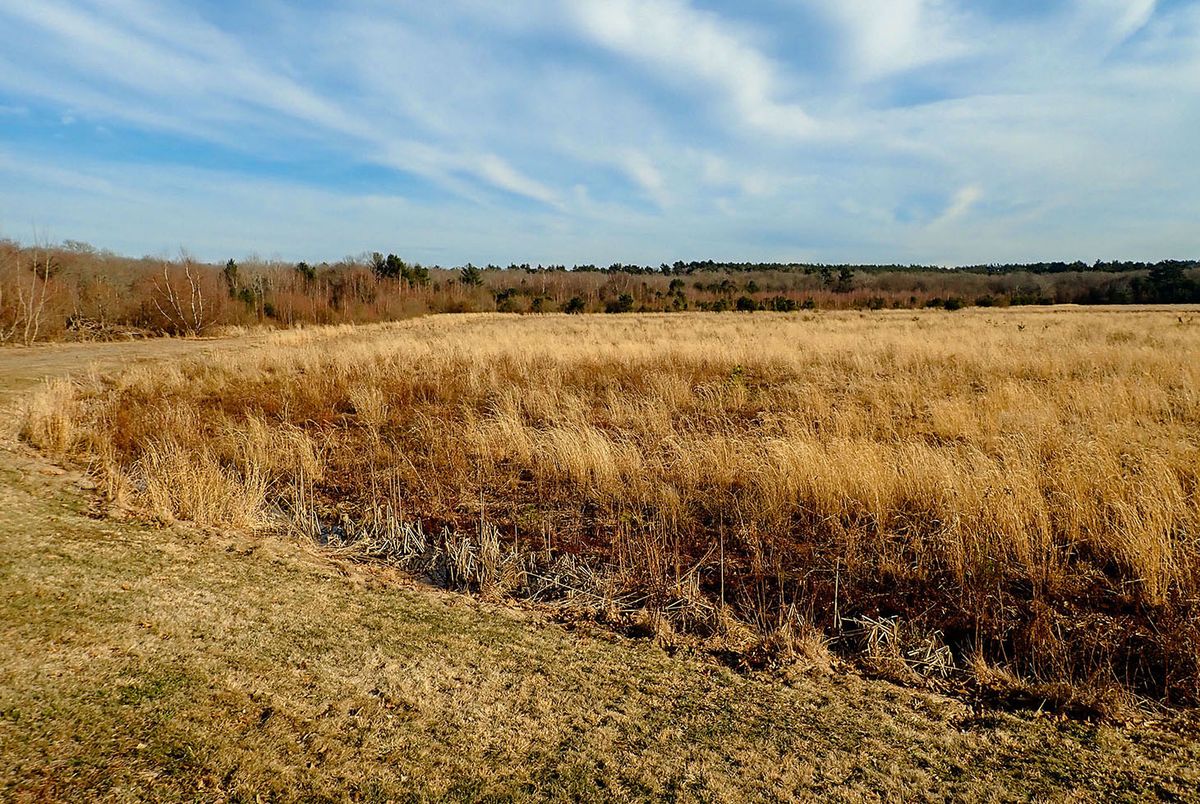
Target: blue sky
[934, 131]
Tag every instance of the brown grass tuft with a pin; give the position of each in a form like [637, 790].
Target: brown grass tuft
[48, 417]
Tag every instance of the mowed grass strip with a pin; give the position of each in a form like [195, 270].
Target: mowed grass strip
[148, 663]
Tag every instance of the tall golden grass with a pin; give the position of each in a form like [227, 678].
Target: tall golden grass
[1020, 487]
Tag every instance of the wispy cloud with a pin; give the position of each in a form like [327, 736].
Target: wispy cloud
[684, 45]
[643, 171]
[1115, 20]
[600, 130]
[961, 204]
[884, 37]
[160, 57]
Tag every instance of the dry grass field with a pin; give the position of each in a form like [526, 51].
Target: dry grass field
[984, 499]
[160, 662]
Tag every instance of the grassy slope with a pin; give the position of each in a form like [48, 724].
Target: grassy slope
[143, 662]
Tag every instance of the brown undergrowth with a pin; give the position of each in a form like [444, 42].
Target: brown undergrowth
[977, 498]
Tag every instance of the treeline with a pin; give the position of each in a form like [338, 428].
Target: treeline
[73, 291]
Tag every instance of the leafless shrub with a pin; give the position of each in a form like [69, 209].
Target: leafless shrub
[24, 295]
[181, 298]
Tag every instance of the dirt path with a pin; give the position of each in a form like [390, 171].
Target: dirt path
[22, 368]
[147, 663]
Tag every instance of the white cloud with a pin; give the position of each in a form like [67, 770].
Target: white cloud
[1114, 21]
[166, 58]
[505, 176]
[639, 167]
[720, 173]
[884, 37]
[30, 170]
[961, 204]
[686, 45]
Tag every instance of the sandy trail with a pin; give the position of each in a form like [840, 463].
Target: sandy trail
[21, 368]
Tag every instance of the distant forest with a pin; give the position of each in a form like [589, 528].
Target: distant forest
[74, 291]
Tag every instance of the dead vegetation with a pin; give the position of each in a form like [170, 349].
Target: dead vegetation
[973, 499]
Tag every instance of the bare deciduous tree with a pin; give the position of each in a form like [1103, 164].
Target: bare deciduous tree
[180, 298]
[23, 299]
[33, 301]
